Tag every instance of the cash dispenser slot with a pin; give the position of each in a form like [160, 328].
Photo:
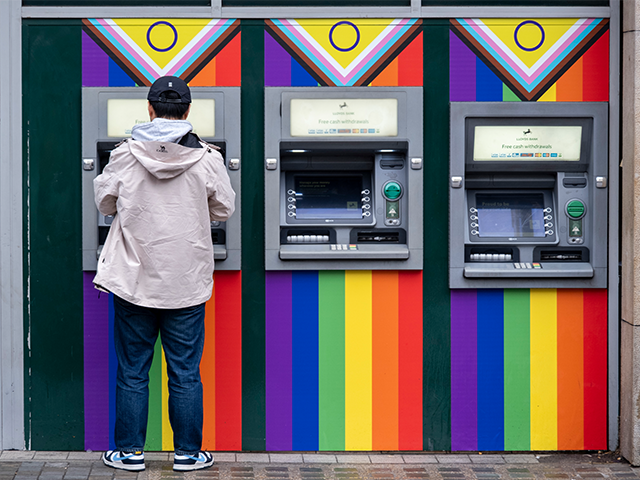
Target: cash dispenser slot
[379, 235]
[561, 254]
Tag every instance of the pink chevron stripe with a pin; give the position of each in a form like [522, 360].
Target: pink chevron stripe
[127, 47]
[307, 44]
[188, 56]
[380, 46]
[566, 43]
[525, 76]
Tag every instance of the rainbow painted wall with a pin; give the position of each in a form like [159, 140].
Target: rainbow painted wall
[344, 350]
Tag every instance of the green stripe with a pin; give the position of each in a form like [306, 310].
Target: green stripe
[516, 370]
[154, 425]
[508, 95]
[331, 359]
[253, 285]
[52, 208]
[437, 308]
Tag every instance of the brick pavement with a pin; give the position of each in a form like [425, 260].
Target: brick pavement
[29, 465]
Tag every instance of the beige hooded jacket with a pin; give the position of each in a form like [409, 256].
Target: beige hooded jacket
[158, 252]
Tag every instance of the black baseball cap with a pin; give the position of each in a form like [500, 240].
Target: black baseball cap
[164, 85]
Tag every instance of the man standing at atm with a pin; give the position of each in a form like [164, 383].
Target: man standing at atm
[164, 187]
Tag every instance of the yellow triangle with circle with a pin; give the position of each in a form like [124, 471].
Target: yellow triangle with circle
[344, 40]
[161, 39]
[530, 39]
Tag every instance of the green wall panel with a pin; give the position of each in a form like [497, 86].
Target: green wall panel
[52, 206]
[253, 283]
[437, 309]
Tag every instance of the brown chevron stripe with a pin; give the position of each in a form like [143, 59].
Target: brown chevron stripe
[549, 80]
[211, 52]
[115, 55]
[293, 50]
[390, 55]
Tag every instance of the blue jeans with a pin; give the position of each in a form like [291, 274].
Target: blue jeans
[135, 333]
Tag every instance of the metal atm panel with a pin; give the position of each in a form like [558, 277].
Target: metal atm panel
[528, 195]
[99, 136]
[335, 199]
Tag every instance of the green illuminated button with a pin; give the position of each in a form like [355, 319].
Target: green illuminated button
[575, 209]
[392, 190]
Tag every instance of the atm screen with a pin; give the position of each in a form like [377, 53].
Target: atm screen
[328, 196]
[510, 215]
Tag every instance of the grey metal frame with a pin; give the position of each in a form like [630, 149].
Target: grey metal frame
[94, 128]
[277, 129]
[11, 230]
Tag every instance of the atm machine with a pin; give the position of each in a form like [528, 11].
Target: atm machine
[343, 178]
[108, 114]
[528, 195]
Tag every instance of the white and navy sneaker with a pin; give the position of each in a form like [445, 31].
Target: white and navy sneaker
[186, 463]
[133, 461]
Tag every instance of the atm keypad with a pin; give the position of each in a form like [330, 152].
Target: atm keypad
[491, 257]
[530, 266]
[307, 238]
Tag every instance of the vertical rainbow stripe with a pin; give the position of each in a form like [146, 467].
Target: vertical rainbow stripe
[220, 370]
[471, 80]
[344, 360]
[529, 369]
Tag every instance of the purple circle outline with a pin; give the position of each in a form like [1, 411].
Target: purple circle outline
[344, 22]
[515, 35]
[175, 36]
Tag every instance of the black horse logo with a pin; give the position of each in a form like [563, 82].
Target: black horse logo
[527, 132]
[343, 105]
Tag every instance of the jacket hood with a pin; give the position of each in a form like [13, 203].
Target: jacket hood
[161, 130]
[165, 159]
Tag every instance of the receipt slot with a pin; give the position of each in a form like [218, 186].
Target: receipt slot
[528, 195]
[343, 178]
[108, 114]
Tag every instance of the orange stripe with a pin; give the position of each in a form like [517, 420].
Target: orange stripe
[228, 294]
[208, 375]
[229, 72]
[410, 360]
[385, 360]
[569, 86]
[205, 77]
[570, 370]
[410, 64]
[388, 77]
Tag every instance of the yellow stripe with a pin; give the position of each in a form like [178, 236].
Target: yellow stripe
[544, 373]
[549, 95]
[358, 361]
[167, 432]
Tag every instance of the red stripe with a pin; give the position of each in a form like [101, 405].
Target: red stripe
[228, 291]
[410, 360]
[595, 369]
[410, 64]
[228, 70]
[208, 375]
[595, 85]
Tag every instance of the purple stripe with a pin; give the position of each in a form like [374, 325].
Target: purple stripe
[279, 424]
[277, 63]
[95, 64]
[96, 366]
[462, 71]
[464, 370]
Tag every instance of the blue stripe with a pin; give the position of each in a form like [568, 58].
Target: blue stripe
[541, 75]
[490, 370]
[488, 85]
[304, 311]
[118, 77]
[113, 368]
[300, 77]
